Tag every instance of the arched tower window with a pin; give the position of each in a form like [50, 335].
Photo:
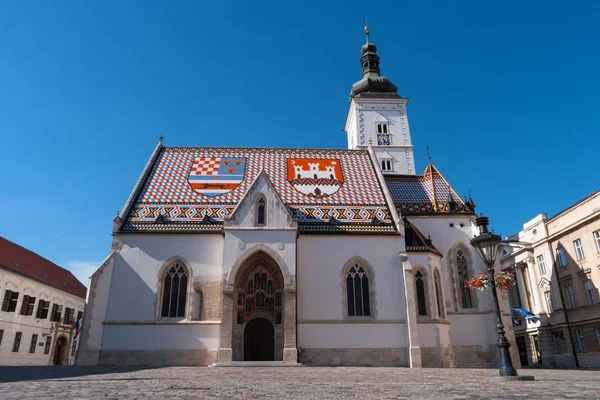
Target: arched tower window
[174, 296]
[462, 268]
[421, 299]
[438, 295]
[261, 212]
[357, 290]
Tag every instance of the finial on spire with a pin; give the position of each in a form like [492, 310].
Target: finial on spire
[428, 154]
[160, 139]
[367, 29]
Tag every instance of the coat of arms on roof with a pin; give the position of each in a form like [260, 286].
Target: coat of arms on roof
[315, 177]
[212, 176]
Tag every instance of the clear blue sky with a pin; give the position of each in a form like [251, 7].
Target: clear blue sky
[505, 93]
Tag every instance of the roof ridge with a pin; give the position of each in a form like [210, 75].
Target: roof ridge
[349, 151]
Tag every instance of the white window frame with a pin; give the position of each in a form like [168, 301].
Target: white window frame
[386, 165]
[548, 296]
[562, 257]
[580, 340]
[597, 238]
[589, 291]
[579, 249]
[541, 264]
[570, 297]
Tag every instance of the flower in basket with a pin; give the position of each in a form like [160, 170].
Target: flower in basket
[505, 280]
[481, 282]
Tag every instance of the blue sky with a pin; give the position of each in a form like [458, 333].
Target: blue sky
[504, 92]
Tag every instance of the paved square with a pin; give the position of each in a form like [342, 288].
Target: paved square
[288, 383]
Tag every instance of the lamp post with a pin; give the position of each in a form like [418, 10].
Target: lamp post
[486, 246]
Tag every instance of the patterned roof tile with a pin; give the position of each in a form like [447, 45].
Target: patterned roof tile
[187, 184]
[423, 193]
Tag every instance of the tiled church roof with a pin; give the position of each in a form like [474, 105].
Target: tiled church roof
[196, 188]
[425, 193]
[25, 262]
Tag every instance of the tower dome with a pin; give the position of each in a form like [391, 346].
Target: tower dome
[372, 84]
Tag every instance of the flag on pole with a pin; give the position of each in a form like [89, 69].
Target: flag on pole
[77, 328]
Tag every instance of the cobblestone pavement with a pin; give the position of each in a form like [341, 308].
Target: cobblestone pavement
[288, 383]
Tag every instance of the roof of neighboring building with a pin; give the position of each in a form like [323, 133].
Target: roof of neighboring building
[427, 193]
[196, 188]
[25, 262]
[589, 196]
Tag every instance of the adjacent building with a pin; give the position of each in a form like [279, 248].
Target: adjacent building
[557, 265]
[41, 303]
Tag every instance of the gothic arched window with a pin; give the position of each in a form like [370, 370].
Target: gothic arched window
[261, 212]
[357, 290]
[438, 295]
[174, 296]
[463, 276]
[421, 298]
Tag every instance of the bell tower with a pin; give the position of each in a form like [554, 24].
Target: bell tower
[377, 116]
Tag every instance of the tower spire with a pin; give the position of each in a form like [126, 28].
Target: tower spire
[372, 82]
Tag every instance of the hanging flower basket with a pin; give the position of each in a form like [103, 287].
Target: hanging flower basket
[504, 281]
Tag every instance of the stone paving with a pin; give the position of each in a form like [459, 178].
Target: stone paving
[288, 383]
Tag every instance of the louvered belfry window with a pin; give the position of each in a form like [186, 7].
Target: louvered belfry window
[357, 290]
[174, 292]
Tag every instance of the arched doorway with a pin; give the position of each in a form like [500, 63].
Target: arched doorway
[259, 340]
[258, 310]
[59, 351]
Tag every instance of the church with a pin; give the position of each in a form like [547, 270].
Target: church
[295, 256]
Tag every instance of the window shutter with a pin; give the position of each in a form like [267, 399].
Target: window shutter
[38, 313]
[7, 296]
[24, 305]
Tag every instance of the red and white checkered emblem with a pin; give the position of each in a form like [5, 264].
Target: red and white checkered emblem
[206, 166]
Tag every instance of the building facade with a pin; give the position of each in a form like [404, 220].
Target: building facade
[557, 265]
[41, 303]
[317, 256]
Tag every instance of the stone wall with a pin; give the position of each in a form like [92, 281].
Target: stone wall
[157, 357]
[475, 356]
[382, 357]
[212, 296]
[437, 357]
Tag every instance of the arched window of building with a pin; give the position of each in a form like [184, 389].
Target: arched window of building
[358, 292]
[174, 296]
[421, 298]
[462, 268]
[261, 212]
[439, 298]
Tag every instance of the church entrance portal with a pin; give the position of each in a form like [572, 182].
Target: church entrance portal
[258, 311]
[259, 340]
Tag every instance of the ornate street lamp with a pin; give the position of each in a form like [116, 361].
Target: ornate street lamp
[486, 245]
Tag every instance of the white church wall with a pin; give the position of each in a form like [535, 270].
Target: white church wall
[321, 261]
[326, 335]
[95, 313]
[135, 278]
[445, 238]
[182, 336]
[351, 335]
[240, 243]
